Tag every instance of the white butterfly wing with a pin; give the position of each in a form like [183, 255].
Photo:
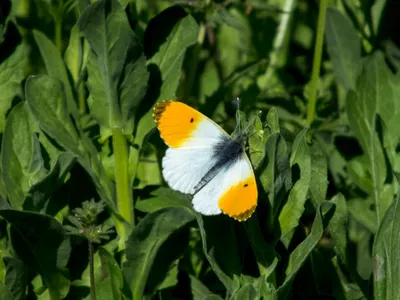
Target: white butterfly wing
[192, 138]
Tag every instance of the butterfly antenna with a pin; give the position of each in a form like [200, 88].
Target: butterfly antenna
[238, 110]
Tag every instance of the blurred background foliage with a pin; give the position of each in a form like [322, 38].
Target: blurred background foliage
[84, 211]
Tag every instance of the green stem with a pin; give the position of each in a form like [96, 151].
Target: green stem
[317, 61]
[279, 40]
[91, 271]
[124, 190]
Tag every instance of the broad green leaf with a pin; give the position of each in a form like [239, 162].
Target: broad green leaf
[169, 35]
[5, 292]
[302, 251]
[362, 107]
[273, 120]
[148, 170]
[360, 210]
[169, 56]
[12, 71]
[16, 277]
[221, 250]
[265, 254]
[55, 68]
[40, 243]
[40, 192]
[246, 292]
[337, 227]
[234, 41]
[386, 267]
[163, 197]
[145, 241]
[46, 99]
[117, 68]
[319, 174]
[164, 269]
[108, 277]
[294, 207]
[276, 177]
[199, 290]
[21, 159]
[386, 90]
[344, 48]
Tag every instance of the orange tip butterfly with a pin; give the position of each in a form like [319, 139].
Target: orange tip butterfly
[204, 161]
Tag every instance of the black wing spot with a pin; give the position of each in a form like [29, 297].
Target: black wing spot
[246, 185]
[191, 120]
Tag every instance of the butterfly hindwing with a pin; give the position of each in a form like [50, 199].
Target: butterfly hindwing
[232, 191]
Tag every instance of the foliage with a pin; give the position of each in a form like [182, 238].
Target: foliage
[320, 84]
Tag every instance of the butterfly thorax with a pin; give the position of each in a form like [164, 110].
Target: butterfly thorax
[226, 152]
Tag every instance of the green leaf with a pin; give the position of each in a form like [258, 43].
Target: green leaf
[145, 241]
[360, 210]
[221, 250]
[117, 69]
[20, 156]
[163, 197]
[5, 292]
[377, 13]
[386, 267]
[294, 207]
[40, 243]
[344, 48]
[148, 170]
[108, 277]
[73, 56]
[168, 35]
[12, 71]
[40, 192]
[276, 176]
[337, 227]
[362, 106]
[264, 252]
[46, 99]
[16, 277]
[55, 68]
[319, 174]
[302, 251]
[199, 290]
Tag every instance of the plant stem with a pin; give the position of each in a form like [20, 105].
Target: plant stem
[124, 190]
[317, 61]
[91, 271]
[279, 39]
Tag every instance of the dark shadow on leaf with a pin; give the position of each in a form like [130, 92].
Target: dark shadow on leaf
[159, 28]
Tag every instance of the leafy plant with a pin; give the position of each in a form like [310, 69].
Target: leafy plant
[78, 81]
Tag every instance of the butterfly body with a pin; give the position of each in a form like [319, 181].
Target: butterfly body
[204, 161]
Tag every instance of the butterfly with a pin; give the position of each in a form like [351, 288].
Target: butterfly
[204, 161]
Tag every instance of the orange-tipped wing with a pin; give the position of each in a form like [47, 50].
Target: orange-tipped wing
[232, 191]
[181, 126]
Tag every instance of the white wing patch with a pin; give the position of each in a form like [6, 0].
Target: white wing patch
[183, 168]
[206, 135]
[206, 200]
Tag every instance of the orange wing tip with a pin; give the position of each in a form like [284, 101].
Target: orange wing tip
[160, 108]
[243, 216]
